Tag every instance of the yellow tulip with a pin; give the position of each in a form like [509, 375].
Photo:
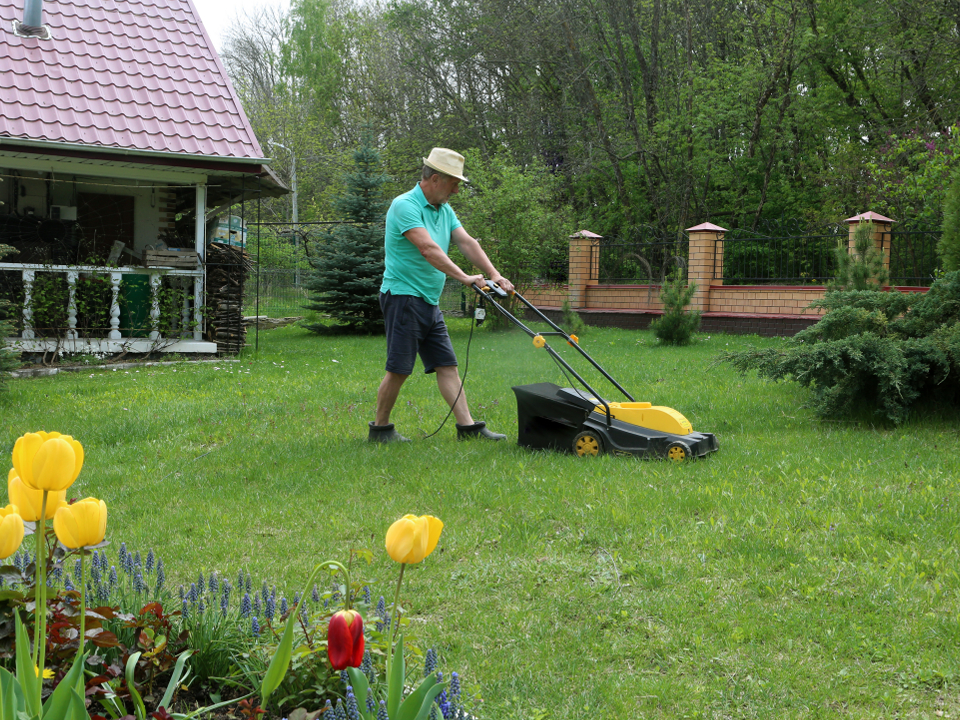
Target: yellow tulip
[82, 524]
[30, 501]
[47, 461]
[11, 531]
[410, 539]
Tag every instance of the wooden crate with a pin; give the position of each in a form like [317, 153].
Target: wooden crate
[171, 258]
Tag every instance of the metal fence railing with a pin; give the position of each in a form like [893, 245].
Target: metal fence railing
[275, 293]
[913, 256]
[647, 262]
[753, 259]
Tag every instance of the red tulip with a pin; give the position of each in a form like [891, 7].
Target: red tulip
[345, 640]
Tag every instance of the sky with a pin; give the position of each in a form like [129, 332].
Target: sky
[218, 15]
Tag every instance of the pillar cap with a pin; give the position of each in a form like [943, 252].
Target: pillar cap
[869, 217]
[585, 234]
[706, 227]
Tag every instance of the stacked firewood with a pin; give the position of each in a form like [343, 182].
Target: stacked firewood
[227, 270]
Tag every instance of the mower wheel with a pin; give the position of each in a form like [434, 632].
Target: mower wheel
[587, 443]
[677, 451]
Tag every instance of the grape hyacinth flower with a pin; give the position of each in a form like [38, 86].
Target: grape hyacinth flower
[340, 712]
[192, 595]
[113, 576]
[137, 562]
[353, 709]
[430, 663]
[371, 703]
[327, 710]
[283, 606]
[224, 603]
[315, 595]
[103, 592]
[382, 712]
[247, 584]
[240, 578]
[213, 584]
[68, 584]
[366, 595]
[185, 610]
[201, 606]
[256, 603]
[454, 687]
[270, 608]
[139, 586]
[255, 627]
[245, 606]
[77, 570]
[151, 559]
[201, 586]
[345, 678]
[161, 576]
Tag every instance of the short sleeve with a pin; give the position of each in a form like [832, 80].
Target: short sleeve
[408, 216]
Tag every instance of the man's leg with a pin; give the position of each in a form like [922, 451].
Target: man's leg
[387, 396]
[448, 380]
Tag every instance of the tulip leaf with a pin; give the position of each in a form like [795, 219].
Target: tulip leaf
[59, 704]
[140, 711]
[26, 670]
[361, 687]
[428, 701]
[395, 680]
[410, 707]
[280, 661]
[12, 702]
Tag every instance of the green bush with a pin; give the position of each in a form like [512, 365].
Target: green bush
[882, 352]
[676, 326]
[862, 269]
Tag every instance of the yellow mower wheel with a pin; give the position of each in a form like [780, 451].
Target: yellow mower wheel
[677, 452]
[587, 443]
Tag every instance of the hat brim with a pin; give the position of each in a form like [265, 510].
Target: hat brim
[444, 172]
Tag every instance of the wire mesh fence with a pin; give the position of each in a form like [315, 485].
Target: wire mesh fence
[646, 258]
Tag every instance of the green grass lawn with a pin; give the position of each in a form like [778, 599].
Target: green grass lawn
[807, 569]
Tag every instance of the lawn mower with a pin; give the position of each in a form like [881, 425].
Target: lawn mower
[570, 420]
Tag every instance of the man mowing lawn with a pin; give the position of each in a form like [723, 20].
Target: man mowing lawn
[420, 226]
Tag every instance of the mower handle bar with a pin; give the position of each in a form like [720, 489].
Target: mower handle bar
[485, 293]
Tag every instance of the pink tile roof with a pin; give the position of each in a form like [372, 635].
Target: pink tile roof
[706, 227]
[869, 217]
[124, 74]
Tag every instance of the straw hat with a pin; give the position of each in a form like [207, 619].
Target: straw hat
[447, 162]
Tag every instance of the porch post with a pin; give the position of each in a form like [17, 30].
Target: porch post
[582, 270]
[72, 276]
[705, 266]
[28, 276]
[200, 245]
[114, 333]
[154, 306]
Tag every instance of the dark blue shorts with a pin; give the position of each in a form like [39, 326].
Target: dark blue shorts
[414, 327]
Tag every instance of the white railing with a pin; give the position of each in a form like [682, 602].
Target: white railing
[191, 317]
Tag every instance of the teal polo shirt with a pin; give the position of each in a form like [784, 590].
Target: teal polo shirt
[405, 271]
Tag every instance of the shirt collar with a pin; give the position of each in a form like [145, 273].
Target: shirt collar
[418, 193]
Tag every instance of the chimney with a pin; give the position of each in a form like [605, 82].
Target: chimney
[32, 25]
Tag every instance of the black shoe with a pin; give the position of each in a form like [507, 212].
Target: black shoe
[385, 434]
[477, 430]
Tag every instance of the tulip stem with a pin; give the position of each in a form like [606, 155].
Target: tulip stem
[83, 598]
[40, 599]
[396, 609]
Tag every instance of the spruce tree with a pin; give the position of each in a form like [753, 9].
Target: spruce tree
[348, 263]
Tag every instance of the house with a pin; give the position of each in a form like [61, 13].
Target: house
[121, 138]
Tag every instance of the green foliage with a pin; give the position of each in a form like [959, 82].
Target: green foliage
[865, 355]
[572, 322]
[348, 263]
[676, 326]
[8, 359]
[949, 244]
[862, 269]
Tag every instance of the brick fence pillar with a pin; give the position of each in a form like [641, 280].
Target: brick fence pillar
[881, 229]
[583, 266]
[705, 266]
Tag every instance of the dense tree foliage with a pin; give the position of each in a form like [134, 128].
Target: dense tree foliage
[662, 112]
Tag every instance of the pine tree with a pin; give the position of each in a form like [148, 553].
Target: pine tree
[863, 269]
[676, 326]
[348, 263]
[949, 245]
